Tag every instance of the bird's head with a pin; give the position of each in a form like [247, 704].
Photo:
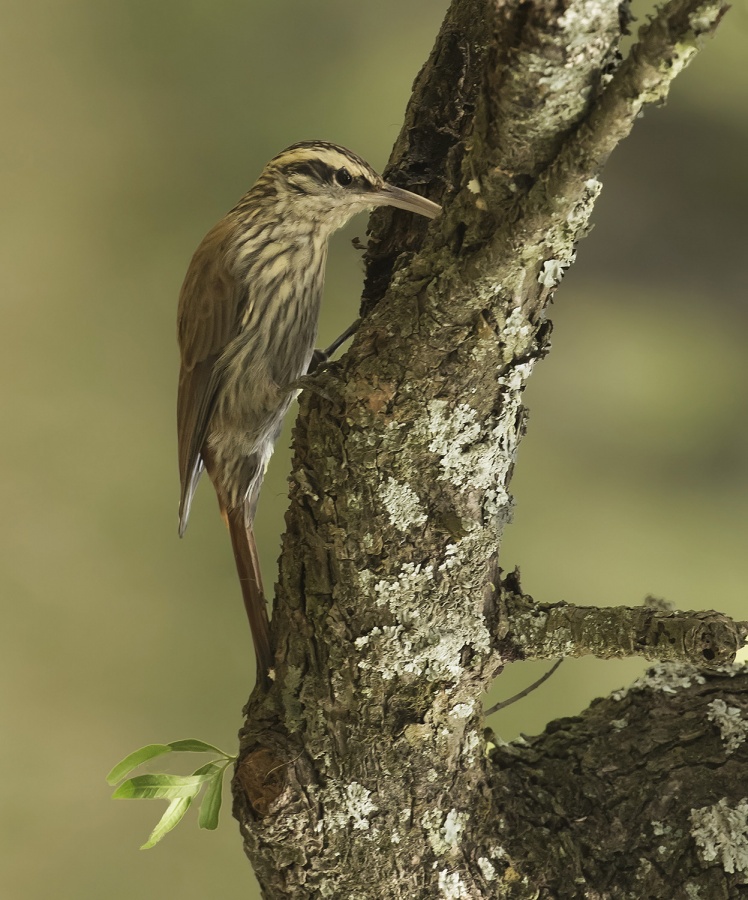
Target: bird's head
[326, 185]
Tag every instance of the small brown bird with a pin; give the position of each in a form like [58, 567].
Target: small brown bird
[247, 325]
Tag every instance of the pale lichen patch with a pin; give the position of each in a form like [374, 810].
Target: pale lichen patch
[355, 808]
[462, 710]
[669, 678]
[487, 869]
[473, 453]
[443, 833]
[454, 825]
[431, 822]
[453, 429]
[517, 331]
[562, 238]
[704, 19]
[435, 619]
[552, 272]
[451, 885]
[732, 724]
[721, 832]
[413, 579]
[403, 505]
[515, 379]
[585, 31]
[579, 215]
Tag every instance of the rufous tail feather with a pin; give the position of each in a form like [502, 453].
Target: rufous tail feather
[248, 569]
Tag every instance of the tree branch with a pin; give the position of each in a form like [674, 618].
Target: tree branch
[665, 47]
[642, 795]
[531, 630]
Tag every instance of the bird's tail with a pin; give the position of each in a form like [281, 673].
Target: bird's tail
[248, 569]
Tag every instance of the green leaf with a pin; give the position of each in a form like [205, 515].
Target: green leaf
[192, 745]
[209, 769]
[210, 808]
[168, 787]
[180, 790]
[170, 819]
[135, 759]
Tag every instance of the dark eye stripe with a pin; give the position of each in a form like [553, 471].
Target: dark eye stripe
[324, 173]
[312, 168]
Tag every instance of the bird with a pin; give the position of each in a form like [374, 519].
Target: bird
[247, 326]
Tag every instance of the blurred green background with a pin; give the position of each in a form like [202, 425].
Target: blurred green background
[128, 129]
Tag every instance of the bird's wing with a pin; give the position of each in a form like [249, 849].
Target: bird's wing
[207, 320]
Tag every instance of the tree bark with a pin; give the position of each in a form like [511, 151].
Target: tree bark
[364, 771]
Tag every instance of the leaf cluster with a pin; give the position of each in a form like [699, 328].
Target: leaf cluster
[179, 790]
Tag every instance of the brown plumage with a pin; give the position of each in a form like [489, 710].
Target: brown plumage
[247, 325]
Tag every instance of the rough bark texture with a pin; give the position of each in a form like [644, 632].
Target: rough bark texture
[364, 771]
[643, 796]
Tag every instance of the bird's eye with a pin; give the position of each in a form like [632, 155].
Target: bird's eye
[343, 177]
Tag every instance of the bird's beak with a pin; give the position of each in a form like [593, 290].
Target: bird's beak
[389, 195]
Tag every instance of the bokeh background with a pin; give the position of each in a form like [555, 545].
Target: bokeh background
[128, 128]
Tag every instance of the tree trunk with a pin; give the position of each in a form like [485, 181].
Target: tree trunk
[365, 771]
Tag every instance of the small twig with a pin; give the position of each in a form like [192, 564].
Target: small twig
[528, 690]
